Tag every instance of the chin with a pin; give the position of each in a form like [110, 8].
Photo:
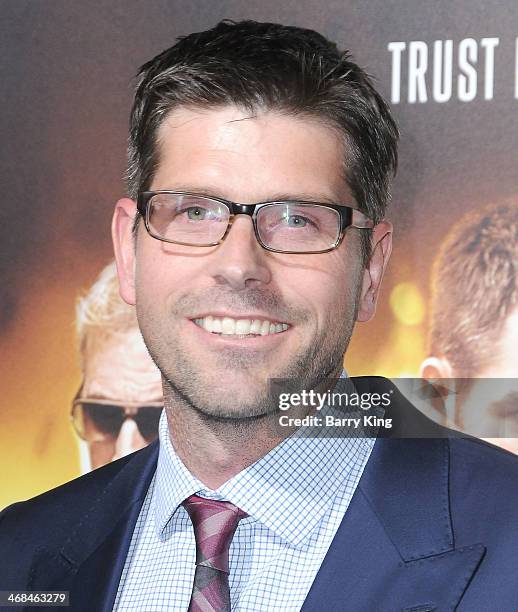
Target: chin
[231, 397]
[241, 413]
[234, 404]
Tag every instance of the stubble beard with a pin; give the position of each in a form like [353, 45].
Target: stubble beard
[187, 384]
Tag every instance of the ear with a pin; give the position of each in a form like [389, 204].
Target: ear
[433, 368]
[381, 242]
[438, 372]
[124, 247]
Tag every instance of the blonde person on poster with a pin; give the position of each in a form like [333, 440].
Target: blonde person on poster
[474, 324]
[253, 238]
[117, 407]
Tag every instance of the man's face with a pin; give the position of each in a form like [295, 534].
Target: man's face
[223, 152]
[118, 368]
[493, 405]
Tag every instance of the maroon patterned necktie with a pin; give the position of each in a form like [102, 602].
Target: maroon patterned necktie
[214, 525]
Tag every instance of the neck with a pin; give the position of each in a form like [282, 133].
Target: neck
[216, 449]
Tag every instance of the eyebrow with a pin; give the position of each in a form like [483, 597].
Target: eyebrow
[103, 398]
[506, 406]
[275, 197]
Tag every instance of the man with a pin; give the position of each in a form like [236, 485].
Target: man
[474, 324]
[118, 405]
[227, 512]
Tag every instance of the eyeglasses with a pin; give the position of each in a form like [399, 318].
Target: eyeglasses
[290, 226]
[98, 420]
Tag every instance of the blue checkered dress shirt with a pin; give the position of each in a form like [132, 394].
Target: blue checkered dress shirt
[296, 497]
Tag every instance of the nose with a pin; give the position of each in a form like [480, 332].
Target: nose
[128, 440]
[240, 261]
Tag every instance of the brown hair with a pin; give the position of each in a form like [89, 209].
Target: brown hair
[269, 66]
[475, 287]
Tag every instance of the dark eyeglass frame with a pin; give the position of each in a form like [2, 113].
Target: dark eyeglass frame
[349, 217]
[128, 409]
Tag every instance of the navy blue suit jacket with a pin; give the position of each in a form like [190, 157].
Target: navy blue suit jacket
[433, 525]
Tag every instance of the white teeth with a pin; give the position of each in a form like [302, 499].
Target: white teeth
[255, 328]
[239, 327]
[228, 326]
[243, 327]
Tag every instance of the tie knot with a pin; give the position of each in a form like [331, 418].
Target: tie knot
[214, 525]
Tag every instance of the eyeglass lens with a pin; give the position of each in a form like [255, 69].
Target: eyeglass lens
[107, 420]
[201, 221]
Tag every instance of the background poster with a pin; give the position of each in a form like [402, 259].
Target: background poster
[66, 85]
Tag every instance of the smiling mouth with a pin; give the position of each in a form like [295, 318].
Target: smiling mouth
[227, 326]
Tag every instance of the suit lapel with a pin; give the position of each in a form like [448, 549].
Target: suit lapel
[91, 561]
[395, 548]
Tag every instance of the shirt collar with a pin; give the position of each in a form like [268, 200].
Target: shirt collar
[173, 481]
[303, 471]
